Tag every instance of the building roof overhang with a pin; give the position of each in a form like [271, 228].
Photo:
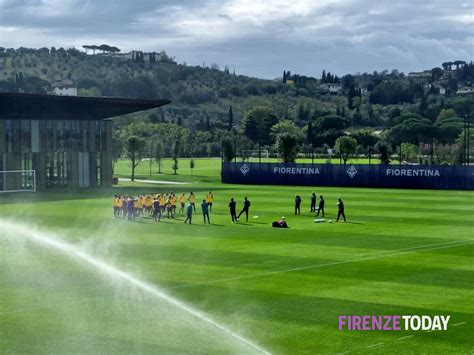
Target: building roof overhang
[82, 108]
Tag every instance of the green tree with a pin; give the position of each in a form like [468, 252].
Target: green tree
[285, 126]
[462, 143]
[413, 130]
[350, 97]
[176, 150]
[257, 123]
[436, 73]
[310, 138]
[365, 137]
[457, 63]
[446, 113]
[192, 165]
[175, 166]
[86, 47]
[104, 48]
[287, 146]
[346, 146]
[158, 153]
[383, 148]
[228, 149]
[135, 149]
[230, 123]
[410, 152]
[328, 128]
[447, 130]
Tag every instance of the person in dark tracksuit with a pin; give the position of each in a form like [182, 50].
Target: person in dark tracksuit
[297, 204]
[313, 202]
[205, 211]
[320, 206]
[340, 210]
[156, 210]
[233, 211]
[189, 213]
[245, 209]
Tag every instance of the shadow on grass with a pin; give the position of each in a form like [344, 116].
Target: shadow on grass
[197, 224]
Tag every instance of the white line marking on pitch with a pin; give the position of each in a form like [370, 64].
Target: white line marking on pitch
[406, 337]
[375, 345]
[379, 256]
[455, 325]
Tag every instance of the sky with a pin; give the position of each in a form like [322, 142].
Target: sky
[259, 38]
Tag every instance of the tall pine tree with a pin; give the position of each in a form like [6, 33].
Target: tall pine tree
[231, 119]
[350, 97]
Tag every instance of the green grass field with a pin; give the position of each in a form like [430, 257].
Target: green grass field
[402, 252]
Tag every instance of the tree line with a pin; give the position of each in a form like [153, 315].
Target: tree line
[211, 106]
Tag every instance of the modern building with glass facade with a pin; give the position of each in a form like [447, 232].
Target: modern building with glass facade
[66, 140]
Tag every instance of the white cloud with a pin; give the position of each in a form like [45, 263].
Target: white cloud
[258, 37]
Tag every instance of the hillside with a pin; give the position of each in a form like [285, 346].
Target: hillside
[207, 101]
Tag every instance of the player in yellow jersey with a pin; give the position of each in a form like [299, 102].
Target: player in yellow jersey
[120, 206]
[173, 201]
[143, 203]
[149, 204]
[138, 206]
[182, 201]
[169, 209]
[115, 205]
[192, 201]
[162, 202]
[210, 200]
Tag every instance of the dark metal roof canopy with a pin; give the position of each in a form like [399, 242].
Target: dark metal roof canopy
[52, 107]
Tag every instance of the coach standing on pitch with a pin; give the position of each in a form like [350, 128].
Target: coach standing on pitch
[313, 202]
[189, 213]
[321, 205]
[233, 211]
[297, 204]
[340, 209]
[245, 209]
[205, 211]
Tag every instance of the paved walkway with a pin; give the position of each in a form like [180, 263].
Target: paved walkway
[158, 182]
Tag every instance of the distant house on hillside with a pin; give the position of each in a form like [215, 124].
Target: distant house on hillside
[65, 87]
[436, 88]
[132, 55]
[447, 74]
[424, 75]
[465, 90]
[330, 88]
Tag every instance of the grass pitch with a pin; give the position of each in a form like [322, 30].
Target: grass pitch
[401, 252]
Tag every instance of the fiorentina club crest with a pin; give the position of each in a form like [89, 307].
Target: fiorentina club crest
[352, 171]
[244, 169]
